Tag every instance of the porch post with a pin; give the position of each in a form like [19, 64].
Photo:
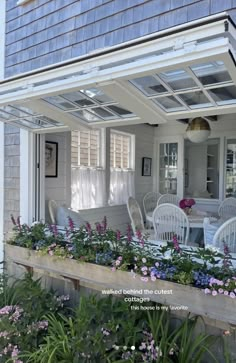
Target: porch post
[107, 163]
[1, 192]
[26, 176]
[2, 128]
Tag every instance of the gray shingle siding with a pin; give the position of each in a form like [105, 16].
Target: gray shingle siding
[44, 32]
[11, 175]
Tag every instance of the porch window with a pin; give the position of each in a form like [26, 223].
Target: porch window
[231, 168]
[121, 167]
[168, 168]
[87, 172]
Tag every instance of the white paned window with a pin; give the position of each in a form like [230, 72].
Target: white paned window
[88, 174]
[86, 148]
[122, 167]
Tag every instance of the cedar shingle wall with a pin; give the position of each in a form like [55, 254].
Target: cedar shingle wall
[11, 175]
[45, 32]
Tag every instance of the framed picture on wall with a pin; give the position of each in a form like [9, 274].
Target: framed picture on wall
[51, 159]
[147, 167]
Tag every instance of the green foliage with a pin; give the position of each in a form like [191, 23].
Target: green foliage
[23, 306]
[35, 327]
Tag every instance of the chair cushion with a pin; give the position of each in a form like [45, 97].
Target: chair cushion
[62, 217]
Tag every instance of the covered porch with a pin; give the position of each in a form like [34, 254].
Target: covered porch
[101, 116]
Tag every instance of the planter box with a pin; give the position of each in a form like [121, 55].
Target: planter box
[176, 296]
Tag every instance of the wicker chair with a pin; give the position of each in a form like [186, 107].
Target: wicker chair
[226, 234]
[227, 209]
[52, 208]
[149, 203]
[169, 221]
[168, 198]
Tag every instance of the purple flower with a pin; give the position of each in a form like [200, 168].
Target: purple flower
[88, 228]
[104, 224]
[232, 295]
[55, 230]
[129, 233]
[71, 224]
[140, 237]
[18, 220]
[118, 235]
[176, 244]
[99, 228]
[13, 220]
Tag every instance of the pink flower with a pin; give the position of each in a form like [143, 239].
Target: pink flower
[13, 220]
[50, 252]
[113, 269]
[226, 293]
[104, 224]
[88, 228]
[129, 233]
[98, 228]
[232, 295]
[120, 258]
[71, 224]
[214, 293]
[153, 278]
[207, 291]
[220, 291]
[118, 235]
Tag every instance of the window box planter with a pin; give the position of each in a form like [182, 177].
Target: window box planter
[177, 296]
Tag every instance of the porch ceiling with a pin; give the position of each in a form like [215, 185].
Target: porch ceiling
[183, 76]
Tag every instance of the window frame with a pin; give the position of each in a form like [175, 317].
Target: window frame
[101, 150]
[131, 152]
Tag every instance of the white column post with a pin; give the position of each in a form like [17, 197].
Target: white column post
[2, 72]
[2, 37]
[1, 192]
[26, 176]
[107, 162]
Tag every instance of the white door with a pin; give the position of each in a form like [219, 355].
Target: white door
[170, 165]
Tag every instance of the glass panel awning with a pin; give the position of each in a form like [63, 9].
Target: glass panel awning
[183, 74]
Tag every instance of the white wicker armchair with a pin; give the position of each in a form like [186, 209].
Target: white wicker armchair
[169, 221]
[52, 208]
[168, 198]
[226, 234]
[149, 203]
[135, 215]
[227, 209]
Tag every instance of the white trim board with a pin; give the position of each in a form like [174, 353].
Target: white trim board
[2, 38]
[2, 127]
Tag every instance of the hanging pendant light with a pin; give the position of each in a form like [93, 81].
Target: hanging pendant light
[198, 130]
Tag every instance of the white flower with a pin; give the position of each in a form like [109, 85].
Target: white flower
[35, 223]
[132, 347]
[212, 248]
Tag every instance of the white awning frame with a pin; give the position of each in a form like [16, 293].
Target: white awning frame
[172, 51]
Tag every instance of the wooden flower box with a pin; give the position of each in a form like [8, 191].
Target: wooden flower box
[176, 296]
